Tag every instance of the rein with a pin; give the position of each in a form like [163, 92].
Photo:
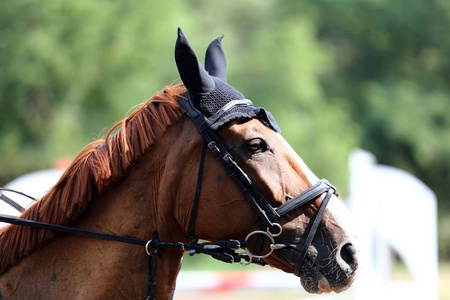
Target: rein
[226, 250]
[221, 250]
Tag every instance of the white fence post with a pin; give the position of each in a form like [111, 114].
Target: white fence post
[393, 210]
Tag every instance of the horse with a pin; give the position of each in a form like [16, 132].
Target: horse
[153, 178]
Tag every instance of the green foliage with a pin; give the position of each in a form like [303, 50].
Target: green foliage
[69, 68]
[335, 74]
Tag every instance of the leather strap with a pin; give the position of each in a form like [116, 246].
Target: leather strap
[226, 108]
[240, 178]
[312, 232]
[31, 223]
[192, 237]
[206, 247]
[152, 259]
[312, 193]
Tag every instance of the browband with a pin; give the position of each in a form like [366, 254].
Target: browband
[226, 108]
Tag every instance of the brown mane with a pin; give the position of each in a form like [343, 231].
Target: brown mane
[99, 164]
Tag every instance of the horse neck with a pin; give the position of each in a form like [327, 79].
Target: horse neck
[140, 203]
[135, 208]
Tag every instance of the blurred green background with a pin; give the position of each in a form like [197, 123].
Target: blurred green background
[336, 75]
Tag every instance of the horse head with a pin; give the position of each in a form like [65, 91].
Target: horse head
[276, 173]
[221, 171]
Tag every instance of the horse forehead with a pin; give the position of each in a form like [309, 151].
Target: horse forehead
[235, 133]
[251, 127]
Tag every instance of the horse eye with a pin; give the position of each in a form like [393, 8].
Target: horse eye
[257, 145]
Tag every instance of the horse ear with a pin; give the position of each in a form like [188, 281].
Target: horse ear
[215, 62]
[193, 75]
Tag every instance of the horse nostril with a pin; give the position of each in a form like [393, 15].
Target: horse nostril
[348, 254]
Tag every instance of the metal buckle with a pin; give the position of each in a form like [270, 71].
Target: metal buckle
[213, 147]
[241, 255]
[232, 258]
[146, 248]
[238, 245]
[182, 246]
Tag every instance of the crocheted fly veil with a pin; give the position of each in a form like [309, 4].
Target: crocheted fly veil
[208, 88]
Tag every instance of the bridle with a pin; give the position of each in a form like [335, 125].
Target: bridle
[269, 216]
[225, 250]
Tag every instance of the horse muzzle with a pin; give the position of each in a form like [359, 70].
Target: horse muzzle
[320, 271]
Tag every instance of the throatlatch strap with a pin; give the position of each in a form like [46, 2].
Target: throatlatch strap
[192, 237]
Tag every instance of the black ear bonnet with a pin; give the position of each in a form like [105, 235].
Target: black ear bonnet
[208, 88]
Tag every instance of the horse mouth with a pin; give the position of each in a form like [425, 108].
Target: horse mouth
[314, 278]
